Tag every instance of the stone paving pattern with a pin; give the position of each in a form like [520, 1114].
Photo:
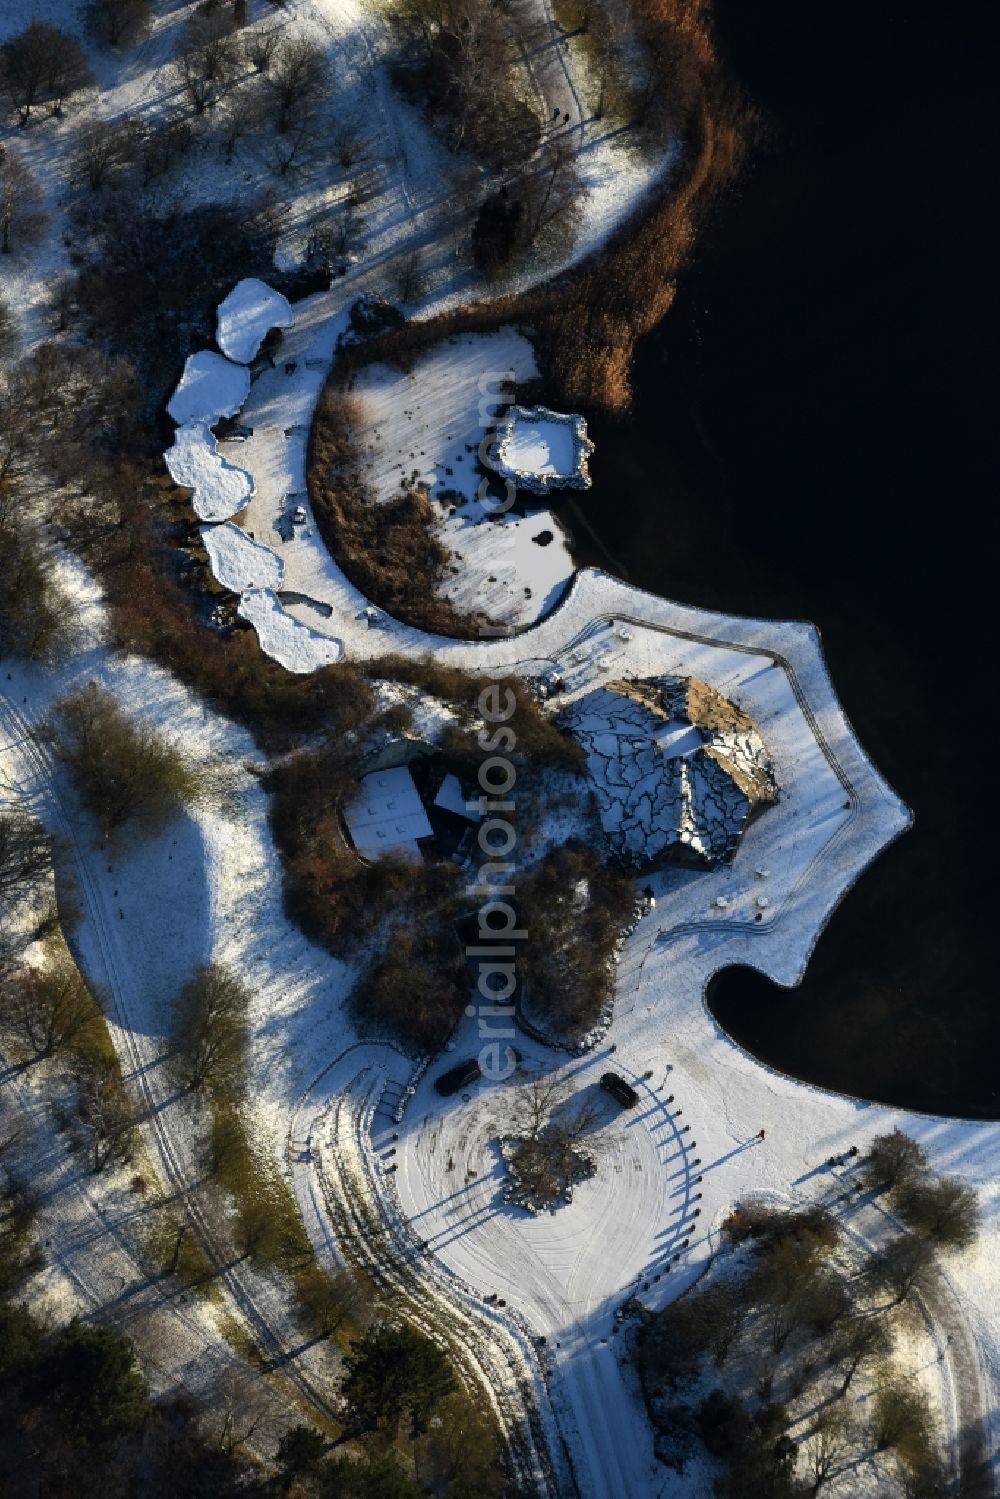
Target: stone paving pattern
[678, 770]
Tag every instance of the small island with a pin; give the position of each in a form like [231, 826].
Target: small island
[540, 450]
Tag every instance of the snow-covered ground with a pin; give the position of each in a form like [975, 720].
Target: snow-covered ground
[426, 426]
[208, 887]
[150, 913]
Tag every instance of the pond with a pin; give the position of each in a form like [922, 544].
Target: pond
[809, 439]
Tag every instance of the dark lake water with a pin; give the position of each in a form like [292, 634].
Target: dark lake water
[813, 437]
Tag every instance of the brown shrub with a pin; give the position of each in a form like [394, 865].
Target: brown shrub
[573, 909]
[539, 740]
[125, 772]
[419, 988]
[388, 550]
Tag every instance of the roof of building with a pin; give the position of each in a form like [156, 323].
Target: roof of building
[451, 798]
[387, 815]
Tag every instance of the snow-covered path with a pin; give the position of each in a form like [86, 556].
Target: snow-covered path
[341, 1157]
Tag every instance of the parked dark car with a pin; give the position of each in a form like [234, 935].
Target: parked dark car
[459, 1076]
[621, 1091]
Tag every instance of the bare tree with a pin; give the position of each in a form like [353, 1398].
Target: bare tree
[892, 1159]
[294, 147]
[181, 1231]
[347, 145]
[8, 331]
[241, 1407]
[205, 59]
[25, 855]
[45, 1009]
[725, 1315]
[863, 1340]
[107, 1112]
[22, 220]
[333, 1301]
[901, 1418]
[297, 79]
[102, 147]
[941, 1208]
[35, 622]
[535, 1102]
[260, 44]
[830, 1449]
[241, 117]
[458, 56]
[62, 300]
[225, 1141]
[901, 1266]
[42, 65]
[117, 22]
[785, 1283]
[411, 278]
[209, 1026]
[15, 449]
[606, 33]
[550, 192]
[199, 90]
[125, 771]
[165, 146]
[257, 1231]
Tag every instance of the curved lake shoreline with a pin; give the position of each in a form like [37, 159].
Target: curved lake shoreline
[808, 441]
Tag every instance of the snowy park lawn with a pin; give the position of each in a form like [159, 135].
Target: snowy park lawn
[221, 489]
[246, 317]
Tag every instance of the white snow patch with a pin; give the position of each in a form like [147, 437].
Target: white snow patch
[542, 447]
[247, 315]
[238, 562]
[194, 462]
[292, 644]
[209, 388]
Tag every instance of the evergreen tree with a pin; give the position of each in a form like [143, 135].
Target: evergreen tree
[392, 1370]
[89, 1376]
